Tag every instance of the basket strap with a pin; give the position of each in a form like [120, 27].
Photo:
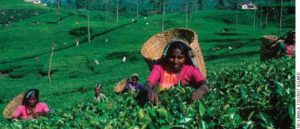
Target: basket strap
[166, 50]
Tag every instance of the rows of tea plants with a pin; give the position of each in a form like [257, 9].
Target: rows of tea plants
[256, 95]
[10, 16]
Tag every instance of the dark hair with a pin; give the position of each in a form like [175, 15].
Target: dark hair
[30, 93]
[290, 39]
[185, 50]
[134, 76]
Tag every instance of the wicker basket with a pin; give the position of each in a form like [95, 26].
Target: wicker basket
[269, 47]
[120, 86]
[152, 49]
[11, 107]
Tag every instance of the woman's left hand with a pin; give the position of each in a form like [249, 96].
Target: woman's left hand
[35, 115]
[196, 95]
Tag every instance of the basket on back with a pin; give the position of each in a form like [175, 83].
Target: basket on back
[152, 49]
[11, 107]
[269, 47]
[120, 86]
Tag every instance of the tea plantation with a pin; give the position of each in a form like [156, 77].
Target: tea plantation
[244, 91]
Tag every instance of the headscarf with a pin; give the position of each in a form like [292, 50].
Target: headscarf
[134, 75]
[186, 43]
[30, 93]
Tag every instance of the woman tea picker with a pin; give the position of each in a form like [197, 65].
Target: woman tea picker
[287, 47]
[31, 108]
[176, 67]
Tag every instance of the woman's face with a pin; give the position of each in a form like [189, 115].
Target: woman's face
[32, 101]
[176, 59]
[98, 90]
[134, 80]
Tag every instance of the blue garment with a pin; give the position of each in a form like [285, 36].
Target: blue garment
[130, 86]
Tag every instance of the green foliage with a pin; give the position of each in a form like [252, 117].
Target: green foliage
[248, 95]
[240, 97]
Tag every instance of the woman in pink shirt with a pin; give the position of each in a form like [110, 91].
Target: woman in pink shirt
[176, 67]
[287, 46]
[31, 108]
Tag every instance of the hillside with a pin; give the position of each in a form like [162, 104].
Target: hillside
[28, 32]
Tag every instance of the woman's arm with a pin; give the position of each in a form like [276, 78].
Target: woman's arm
[151, 93]
[45, 110]
[200, 83]
[152, 80]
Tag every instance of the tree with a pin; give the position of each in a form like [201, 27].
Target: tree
[117, 10]
[200, 3]
[254, 17]
[186, 12]
[82, 4]
[137, 9]
[260, 16]
[57, 3]
[266, 21]
[227, 4]
[89, 28]
[163, 16]
[50, 62]
[157, 5]
[194, 8]
[106, 2]
[280, 19]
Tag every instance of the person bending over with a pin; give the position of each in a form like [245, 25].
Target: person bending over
[31, 107]
[176, 67]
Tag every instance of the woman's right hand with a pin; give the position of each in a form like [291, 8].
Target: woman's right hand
[35, 115]
[153, 97]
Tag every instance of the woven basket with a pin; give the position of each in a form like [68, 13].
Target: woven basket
[11, 107]
[152, 49]
[269, 47]
[121, 85]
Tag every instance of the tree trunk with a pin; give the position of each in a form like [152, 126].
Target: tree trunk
[137, 9]
[236, 21]
[260, 17]
[163, 16]
[153, 10]
[156, 8]
[50, 63]
[254, 21]
[266, 19]
[186, 13]
[117, 11]
[57, 11]
[280, 19]
[89, 30]
[106, 11]
[57, 4]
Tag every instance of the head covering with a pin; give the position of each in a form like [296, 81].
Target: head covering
[134, 75]
[30, 93]
[186, 43]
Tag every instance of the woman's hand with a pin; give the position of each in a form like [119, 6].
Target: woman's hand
[196, 95]
[153, 97]
[199, 92]
[35, 115]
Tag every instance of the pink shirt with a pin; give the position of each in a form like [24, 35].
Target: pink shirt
[189, 75]
[22, 111]
[290, 49]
